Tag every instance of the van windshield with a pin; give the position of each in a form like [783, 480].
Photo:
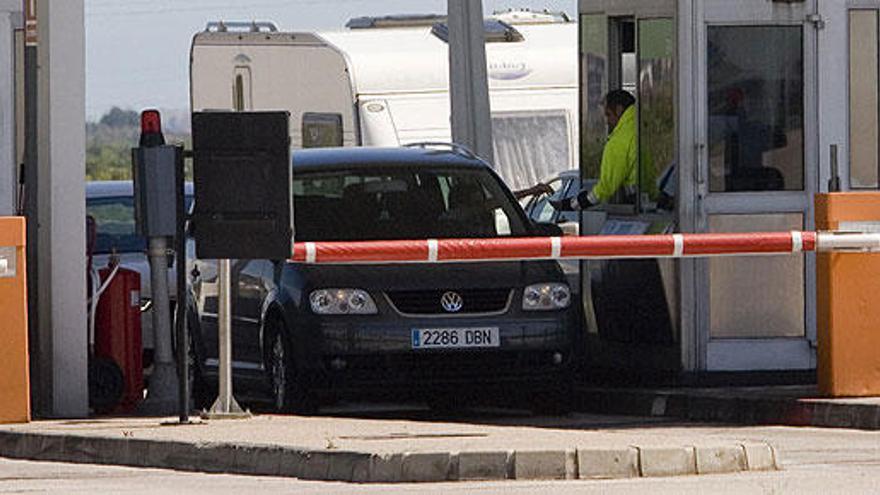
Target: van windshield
[402, 203]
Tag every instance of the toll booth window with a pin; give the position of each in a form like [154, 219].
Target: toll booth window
[756, 108]
[657, 161]
[529, 147]
[594, 74]
[624, 30]
[609, 151]
[864, 100]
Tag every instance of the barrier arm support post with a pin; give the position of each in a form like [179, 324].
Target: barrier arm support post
[847, 284]
[225, 407]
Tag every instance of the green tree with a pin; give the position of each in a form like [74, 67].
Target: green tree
[118, 117]
[109, 142]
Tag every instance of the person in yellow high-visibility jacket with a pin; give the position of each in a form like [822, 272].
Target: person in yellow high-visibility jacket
[619, 170]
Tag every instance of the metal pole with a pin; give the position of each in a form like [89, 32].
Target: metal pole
[161, 399]
[225, 337]
[180, 272]
[468, 86]
[40, 392]
[225, 406]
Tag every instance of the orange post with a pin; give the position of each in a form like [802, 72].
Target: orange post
[15, 405]
[848, 309]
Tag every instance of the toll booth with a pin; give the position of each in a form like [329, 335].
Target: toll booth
[745, 110]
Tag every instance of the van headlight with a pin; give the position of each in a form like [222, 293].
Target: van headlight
[342, 302]
[546, 297]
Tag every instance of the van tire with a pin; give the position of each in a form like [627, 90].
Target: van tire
[289, 394]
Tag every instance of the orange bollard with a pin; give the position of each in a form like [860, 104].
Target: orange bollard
[15, 404]
[848, 311]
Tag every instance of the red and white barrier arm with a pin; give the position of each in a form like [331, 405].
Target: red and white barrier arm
[587, 247]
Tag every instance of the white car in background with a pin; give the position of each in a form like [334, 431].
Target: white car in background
[111, 204]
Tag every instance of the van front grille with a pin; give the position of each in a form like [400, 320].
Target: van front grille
[428, 302]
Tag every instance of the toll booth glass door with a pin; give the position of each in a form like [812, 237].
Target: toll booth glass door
[757, 172]
[756, 111]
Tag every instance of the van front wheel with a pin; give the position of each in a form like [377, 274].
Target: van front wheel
[289, 395]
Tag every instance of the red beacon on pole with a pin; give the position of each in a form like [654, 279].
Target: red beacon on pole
[151, 129]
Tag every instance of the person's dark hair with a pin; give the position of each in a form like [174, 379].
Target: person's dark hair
[619, 98]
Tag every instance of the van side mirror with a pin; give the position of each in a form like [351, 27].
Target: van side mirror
[543, 229]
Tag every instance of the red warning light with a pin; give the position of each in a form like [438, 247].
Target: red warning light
[151, 122]
[151, 128]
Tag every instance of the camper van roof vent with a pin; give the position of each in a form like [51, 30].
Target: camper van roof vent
[241, 26]
[395, 21]
[496, 31]
[528, 16]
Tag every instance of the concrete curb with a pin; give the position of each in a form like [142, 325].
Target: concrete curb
[367, 467]
[683, 404]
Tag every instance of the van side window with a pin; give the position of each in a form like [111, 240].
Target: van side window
[321, 130]
[241, 90]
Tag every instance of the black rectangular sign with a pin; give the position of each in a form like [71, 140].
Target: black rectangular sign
[242, 179]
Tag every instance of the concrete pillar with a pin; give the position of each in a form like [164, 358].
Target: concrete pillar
[63, 383]
[468, 86]
[10, 19]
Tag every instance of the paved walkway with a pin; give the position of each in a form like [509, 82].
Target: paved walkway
[380, 448]
[798, 405]
[411, 445]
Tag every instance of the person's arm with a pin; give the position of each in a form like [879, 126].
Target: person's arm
[536, 189]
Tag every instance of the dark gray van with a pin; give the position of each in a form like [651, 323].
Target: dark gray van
[434, 332]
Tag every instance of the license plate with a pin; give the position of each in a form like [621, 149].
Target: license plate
[455, 338]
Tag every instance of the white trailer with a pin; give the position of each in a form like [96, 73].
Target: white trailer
[384, 82]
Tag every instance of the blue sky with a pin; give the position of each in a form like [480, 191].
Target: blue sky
[137, 51]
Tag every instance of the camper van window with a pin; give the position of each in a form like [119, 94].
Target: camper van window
[530, 146]
[238, 94]
[321, 130]
[241, 89]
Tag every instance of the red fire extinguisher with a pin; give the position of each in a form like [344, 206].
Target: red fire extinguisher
[117, 338]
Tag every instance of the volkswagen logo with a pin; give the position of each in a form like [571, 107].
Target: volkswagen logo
[452, 302]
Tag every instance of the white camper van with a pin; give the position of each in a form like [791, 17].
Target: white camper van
[384, 82]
